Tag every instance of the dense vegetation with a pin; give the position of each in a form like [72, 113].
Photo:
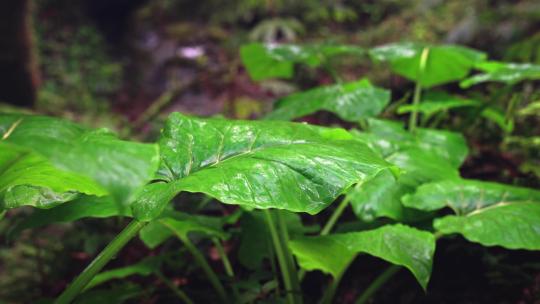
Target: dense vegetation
[287, 207]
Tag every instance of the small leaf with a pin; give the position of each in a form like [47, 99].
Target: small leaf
[397, 244]
[277, 61]
[465, 196]
[350, 101]
[446, 63]
[178, 223]
[510, 225]
[144, 268]
[435, 102]
[258, 164]
[504, 72]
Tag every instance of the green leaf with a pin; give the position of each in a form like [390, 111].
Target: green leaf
[277, 61]
[509, 73]
[144, 268]
[446, 63]
[381, 195]
[510, 225]
[350, 101]
[465, 196]
[82, 207]
[178, 223]
[258, 164]
[118, 166]
[27, 178]
[388, 137]
[435, 102]
[397, 244]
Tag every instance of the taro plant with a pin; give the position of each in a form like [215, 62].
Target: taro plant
[429, 160]
[275, 170]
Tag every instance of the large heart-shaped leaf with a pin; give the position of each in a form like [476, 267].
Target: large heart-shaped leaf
[258, 164]
[511, 225]
[445, 63]
[118, 166]
[510, 73]
[397, 244]
[265, 61]
[27, 178]
[465, 196]
[350, 101]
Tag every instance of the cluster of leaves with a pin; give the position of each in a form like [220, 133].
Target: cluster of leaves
[382, 170]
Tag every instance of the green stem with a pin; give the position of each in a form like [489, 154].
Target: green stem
[281, 257]
[199, 258]
[177, 291]
[413, 121]
[335, 216]
[226, 265]
[100, 261]
[331, 291]
[284, 236]
[224, 258]
[329, 225]
[378, 283]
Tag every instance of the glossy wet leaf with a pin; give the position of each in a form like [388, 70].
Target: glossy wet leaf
[257, 164]
[350, 101]
[465, 196]
[435, 102]
[118, 166]
[181, 224]
[82, 207]
[27, 178]
[446, 63]
[397, 244]
[388, 137]
[510, 225]
[265, 61]
[381, 195]
[504, 72]
[143, 268]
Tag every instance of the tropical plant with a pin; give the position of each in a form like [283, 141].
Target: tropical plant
[275, 170]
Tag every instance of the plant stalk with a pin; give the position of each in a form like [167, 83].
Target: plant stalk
[413, 120]
[284, 236]
[177, 291]
[329, 225]
[199, 258]
[281, 258]
[227, 265]
[331, 291]
[335, 216]
[99, 262]
[378, 283]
